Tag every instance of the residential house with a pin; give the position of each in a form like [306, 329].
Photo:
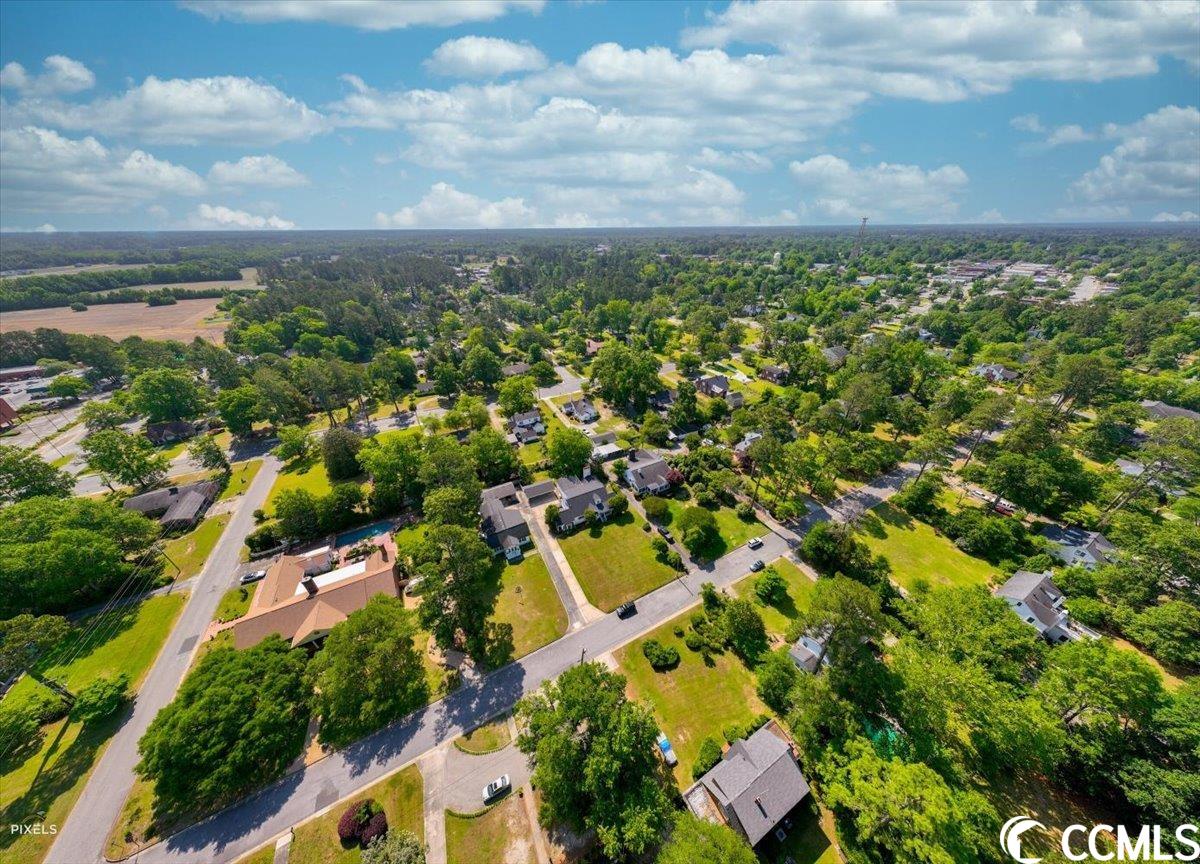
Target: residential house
[715, 386]
[501, 524]
[1077, 546]
[582, 410]
[534, 492]
[774, 374]
[301, 600]
[743, 447]
[1036, 598]
[514, 369]
[593, 346]
[662, 400]
[995, 372]
[605, 446]
[1163, 411]
[807, 649]
[526, 426]
[169, 431]
[835, 355]
[754, 787]
[1136, 469]
[647, 473]
[578, 495]
[175, 506]
[735, 399]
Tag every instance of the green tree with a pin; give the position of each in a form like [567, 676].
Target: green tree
[847, 615]
[455, 566]
[625, 377]
[451, 505]
[393, 464]
[594, 757]
[68, 387]
[694, 840]
[239, 408]
[393, 373]
[167, 394]
[480, 367]
[207, 453]
[101, 698]
[1170, 631]
[24, 474]
[369, 671]
[103, 414]
[339, 450]
[298, 513]
[932, 447]
[568, 450]
[25, 637]
[744, 629]
[833, 549]
[237, 722]
[495, 461]
[395, 847]
[516, 395]
[121, 458]
[294, 444]
[697, 529]
[776, 676]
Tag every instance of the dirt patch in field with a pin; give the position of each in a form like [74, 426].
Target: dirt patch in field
[183, 321]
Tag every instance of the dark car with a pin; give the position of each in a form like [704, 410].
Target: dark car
[757, 565]
[665, 533]
[626, 609]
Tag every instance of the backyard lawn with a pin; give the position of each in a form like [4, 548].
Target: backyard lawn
[778, 617]
[306, 474]
[50, 780]
[917, 552]
[242, 476]
[191, 550]
[500, 834]
[316, 841]
[615, 562]
[526, 599]
[693, 701]
[734, 531]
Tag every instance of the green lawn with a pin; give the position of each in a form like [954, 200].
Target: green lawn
[693, 701]
[189, 551]
[806, 843]
[242, 476]
[316, 841]
[306, 474]
[235, 603]
[917, 552]
[265, 855]
[733, 531]
[51, 779]
[615, 562]
[526, 599]
[486, 738]
[779, 617]
[499, 834]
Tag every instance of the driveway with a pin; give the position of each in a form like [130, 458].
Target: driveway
[466, 775]
[82, 837]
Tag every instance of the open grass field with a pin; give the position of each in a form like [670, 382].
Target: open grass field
[499, 834]
[191, 550]
[240, 478]
[778, 617]
[50, 780]
[526, 599]
[693, 701]
[615, 562]
[234, 603]
[316, 841]
[918, 552]
[182, 321]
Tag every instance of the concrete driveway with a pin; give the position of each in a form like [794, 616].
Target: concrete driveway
[466, 775]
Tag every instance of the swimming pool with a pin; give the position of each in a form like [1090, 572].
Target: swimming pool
[349, 538]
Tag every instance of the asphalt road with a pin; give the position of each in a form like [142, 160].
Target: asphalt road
[570, 383]
[256, 820]
[82, 837]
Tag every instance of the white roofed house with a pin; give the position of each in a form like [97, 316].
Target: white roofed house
[1036, 598]
[582, 410]
[754, 787]
[647, 473]
[605, 446]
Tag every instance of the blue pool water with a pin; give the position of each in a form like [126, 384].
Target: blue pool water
[349, 538]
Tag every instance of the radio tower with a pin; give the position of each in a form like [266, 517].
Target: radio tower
[862, 232]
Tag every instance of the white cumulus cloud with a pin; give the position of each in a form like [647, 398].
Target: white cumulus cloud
[363, 14]
[221, 218]
[61, 75]
[1185, 216]
[443, 206]
[484, 57]
[833, 189]
[1156, 160]
[266, 170]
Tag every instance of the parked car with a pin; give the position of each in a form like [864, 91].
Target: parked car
[626, 609]
[757, 565]
[252, 576]
[665, 533]
[668, 753]
[496, 788]
[754, 542]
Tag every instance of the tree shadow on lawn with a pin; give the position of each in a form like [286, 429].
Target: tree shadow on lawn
[876, 522]
[100, 632]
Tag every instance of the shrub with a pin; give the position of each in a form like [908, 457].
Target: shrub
[357, 818]
[745, 511]
[101, 698]
[376, 828]
[711, 599]
[678, 631]
[395, 847]
[78, 307]
[263, 538]
[693, 641]
[646, 527]
[656, 508]
[675, 560]
[659, 545]
[661, 657]
[708, 756]
[619, 505]
[734, 731]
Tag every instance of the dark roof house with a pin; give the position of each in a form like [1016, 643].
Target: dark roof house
[576, 496]
[646, 473]
[503, 528]
[169, 431]
[175, 506]
[1077, 546]
[713, 385]
[1162, 411]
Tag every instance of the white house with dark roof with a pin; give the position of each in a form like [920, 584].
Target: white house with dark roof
[582, 410]
[1039, 603]
[605, 446]
[646, 473]
[1077, 546]
[807, 651]
[576, 496]
[502, 526]
[754, 787]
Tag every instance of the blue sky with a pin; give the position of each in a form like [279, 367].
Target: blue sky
[516, 113]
